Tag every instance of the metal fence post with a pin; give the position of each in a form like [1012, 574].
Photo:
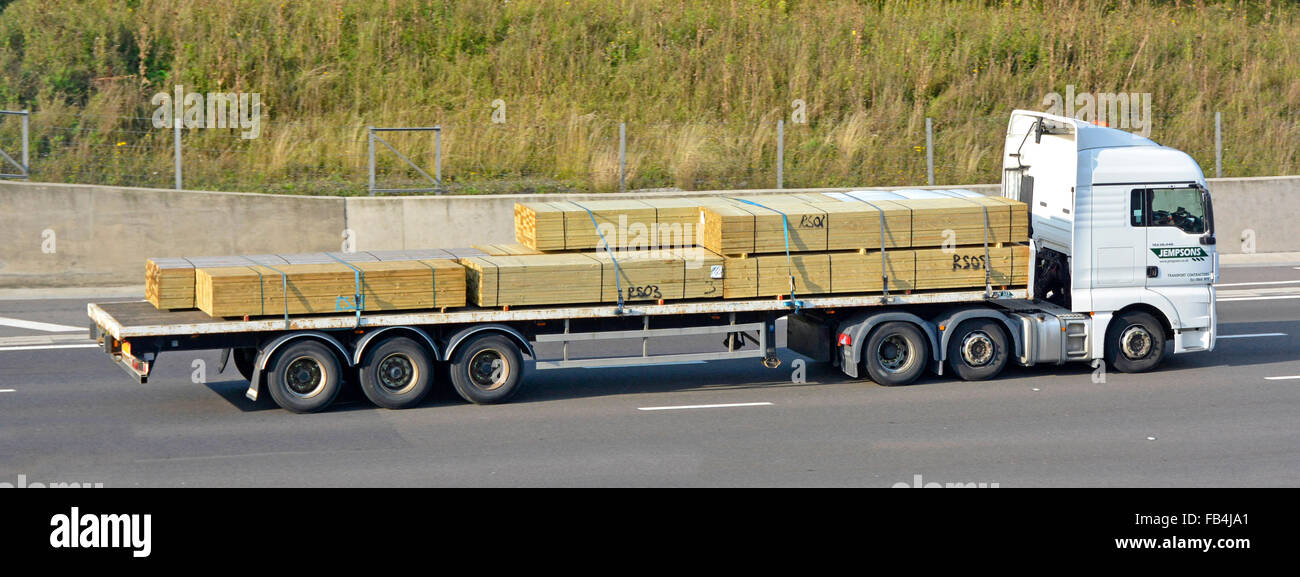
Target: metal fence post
[27, 124]
[1218, 145]
[929, 152]
[370, 131]
[622, 157]
[780, 153]
[176, 138]
[437, 156]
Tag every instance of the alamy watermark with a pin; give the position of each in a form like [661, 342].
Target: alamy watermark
[1126, 110]
[241, 110]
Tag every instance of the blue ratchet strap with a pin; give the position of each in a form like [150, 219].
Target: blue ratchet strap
[792, 302]
[284, 286]
[618, 272]
[884, 260]
[988, 263]
[261, 291]
[358, 280]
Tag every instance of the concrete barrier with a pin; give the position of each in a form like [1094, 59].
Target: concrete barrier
[60, 235]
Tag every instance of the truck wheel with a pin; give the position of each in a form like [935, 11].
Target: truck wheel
[244, 358]
[1135, 342]
[896, 354]
[305, 377]
[397, 373]
[487, 369]
[977, 350]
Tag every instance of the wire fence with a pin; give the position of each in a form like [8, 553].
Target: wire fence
[580, 154]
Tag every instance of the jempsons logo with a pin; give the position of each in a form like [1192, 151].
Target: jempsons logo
[76, 530]
[1192, 252]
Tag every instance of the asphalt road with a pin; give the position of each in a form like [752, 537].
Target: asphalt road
[1225, 418]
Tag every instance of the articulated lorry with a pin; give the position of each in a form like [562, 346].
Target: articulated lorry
[1121, 232]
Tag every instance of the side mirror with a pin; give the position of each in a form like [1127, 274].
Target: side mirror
[1207, 240]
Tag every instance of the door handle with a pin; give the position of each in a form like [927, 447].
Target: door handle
[1153, 271]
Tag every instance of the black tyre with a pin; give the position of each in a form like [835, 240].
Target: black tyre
[304, 377]
[397, 373]
[978, 349]
[487, 369]
[896, 354]
[244, 359]
[1135, 342]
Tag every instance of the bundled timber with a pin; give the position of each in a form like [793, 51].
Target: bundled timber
[170, 282]
[633, 224]
[807, 223]
[860, 271]
[504, 249]
[293, 289]
[965, 267]
[591, 277]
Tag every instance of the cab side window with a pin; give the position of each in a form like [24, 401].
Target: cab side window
[1180, 208]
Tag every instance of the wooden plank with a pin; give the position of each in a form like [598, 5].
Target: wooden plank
[856, 272]
[257, 290]
[769, 275]
[590, 277]
[504, 249]
[963, 267]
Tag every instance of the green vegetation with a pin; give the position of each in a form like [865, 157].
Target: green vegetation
[701, 84]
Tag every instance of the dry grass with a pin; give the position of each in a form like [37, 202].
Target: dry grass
[700, 83]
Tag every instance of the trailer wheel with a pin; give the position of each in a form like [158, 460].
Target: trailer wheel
[397, 373]
[487, 369]
[1135, 342]
[305, 377]
[244, 358]
[895, 354]
[977, 350]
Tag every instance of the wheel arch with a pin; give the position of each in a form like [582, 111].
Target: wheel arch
[858, 328]
[950, 321]
[1148, 308]
[266, 350]
[359, 349]
[462, 335]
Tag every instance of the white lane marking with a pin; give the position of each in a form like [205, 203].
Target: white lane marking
[1253, 336]
[1286, 378]
[723, 406]
[1257, 283]
[1257, 298]
[28, 340]
[45, 347]
[7, 391]
[37, 326]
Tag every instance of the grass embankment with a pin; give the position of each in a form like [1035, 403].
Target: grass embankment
[701, 85]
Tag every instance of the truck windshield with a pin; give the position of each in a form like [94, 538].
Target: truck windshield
[1183, 208]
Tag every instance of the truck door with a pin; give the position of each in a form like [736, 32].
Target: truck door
[1180, 257]
[1176, 220]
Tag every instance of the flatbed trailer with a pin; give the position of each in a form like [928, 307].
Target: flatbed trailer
[136, 334]
[1124, 261]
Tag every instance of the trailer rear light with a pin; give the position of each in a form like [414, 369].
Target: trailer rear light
[126, 347]
[845, 340]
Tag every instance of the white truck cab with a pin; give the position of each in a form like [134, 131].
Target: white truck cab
[1122, 229]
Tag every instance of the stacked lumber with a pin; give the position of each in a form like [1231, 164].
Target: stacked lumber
[257, 290]
[504, 249]
[568, 225]
[807, 223]
[860, 271]
[170, 282]
[591, 277]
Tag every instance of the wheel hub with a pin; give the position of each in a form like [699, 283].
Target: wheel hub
[304, 378]
[487, 370]
[977, 349]
[397, 373]
[1136, 343]
[893, 353]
